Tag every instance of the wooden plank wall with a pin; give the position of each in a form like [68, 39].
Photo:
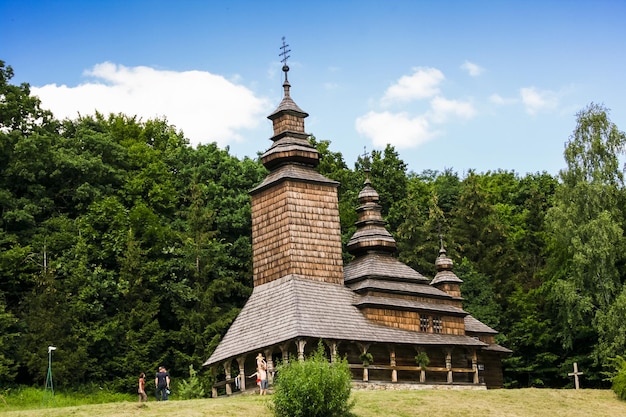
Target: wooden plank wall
[288, 122]
[296, 230]
[410, 320]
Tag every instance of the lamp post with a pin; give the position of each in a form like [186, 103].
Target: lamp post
[49, 377]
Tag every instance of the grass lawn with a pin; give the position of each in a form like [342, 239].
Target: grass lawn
[501, 403]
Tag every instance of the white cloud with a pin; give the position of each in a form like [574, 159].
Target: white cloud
[536, 100]
[406, 130]
[207, 107]
[441, 108]
[498, 99]
[472, 69]
[397, 129]
[423, 83]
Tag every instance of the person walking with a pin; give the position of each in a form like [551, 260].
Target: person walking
[162, 384]
[261, 379]
[142, 388]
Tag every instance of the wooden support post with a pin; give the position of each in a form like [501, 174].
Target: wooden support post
[475, 366]
[449, 365]
[229, 388]
[363, 347]
[270, 365]
[242, 372]
[301, 343]
[332, 346]
[214, 388]
[284, 350]
[576, 374]
[392, 363]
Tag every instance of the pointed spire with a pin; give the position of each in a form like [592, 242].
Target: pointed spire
[370, 234]
[445, 279]
[291, 142]
[443, 263]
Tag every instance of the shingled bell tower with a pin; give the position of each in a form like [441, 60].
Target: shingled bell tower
[295, 212]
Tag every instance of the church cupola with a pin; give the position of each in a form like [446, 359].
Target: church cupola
[371, 234]
[445, 279]
[291, 142]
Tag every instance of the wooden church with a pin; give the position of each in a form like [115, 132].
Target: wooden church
[376, 311]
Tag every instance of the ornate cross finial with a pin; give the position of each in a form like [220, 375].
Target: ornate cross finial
[284, 53]
[441, 248]
[365, 154]
[366, 164]
[285, 57]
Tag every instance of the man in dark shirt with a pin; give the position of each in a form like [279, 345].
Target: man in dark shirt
[162, 383]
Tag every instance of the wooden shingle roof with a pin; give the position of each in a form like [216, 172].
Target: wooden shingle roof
[294, 306]
[380, 265]
[293, 172]
[398, 287]
[473, 325]
[408, 305]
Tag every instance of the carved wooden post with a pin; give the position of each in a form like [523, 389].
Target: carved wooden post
[422, 363]
[449, 365]
[284, 350]
[300, 343]
[214, 388]
[270, 365]
[363, 347]
[242, 372]
[392, 363]
[475, 366]
[229, 388]
[332, 346]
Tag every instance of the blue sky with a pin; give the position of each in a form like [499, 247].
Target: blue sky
[481, 85]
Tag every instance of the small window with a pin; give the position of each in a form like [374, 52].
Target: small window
[424, 323]
[437, 325]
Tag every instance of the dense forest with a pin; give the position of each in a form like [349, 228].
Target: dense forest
[126, 248]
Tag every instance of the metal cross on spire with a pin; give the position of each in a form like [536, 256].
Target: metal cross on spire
[441, 248]
[366, 161]
[365, 154]
[285, 57]
[284, 52]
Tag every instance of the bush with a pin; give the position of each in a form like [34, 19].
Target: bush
[191, 388]
[422, 360]
[312, 388]
[619, 378]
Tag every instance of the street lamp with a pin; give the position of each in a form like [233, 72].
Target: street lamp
[49, 377]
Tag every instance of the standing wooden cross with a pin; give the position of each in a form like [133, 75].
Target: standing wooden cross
[575, 374]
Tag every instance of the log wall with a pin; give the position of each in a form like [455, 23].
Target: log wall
[410, 320]
[296, 230]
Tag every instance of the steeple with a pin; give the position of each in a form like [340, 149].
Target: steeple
[291, 142]
[295, 212]
[445, 279]
[370, 234]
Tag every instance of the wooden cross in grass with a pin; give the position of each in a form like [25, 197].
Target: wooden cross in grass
[575, 374]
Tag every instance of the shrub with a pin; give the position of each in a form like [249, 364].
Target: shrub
[366, 358]
[192, 387]
[619, 377]
[312, 388]
[422, 360]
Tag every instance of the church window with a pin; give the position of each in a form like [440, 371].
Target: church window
[437, 325]
[424, 323]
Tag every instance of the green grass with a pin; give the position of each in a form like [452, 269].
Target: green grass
[24, 398]
[440, 403]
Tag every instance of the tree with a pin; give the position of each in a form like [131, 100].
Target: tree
[479, 294]
[586, 227]
[8, 345]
